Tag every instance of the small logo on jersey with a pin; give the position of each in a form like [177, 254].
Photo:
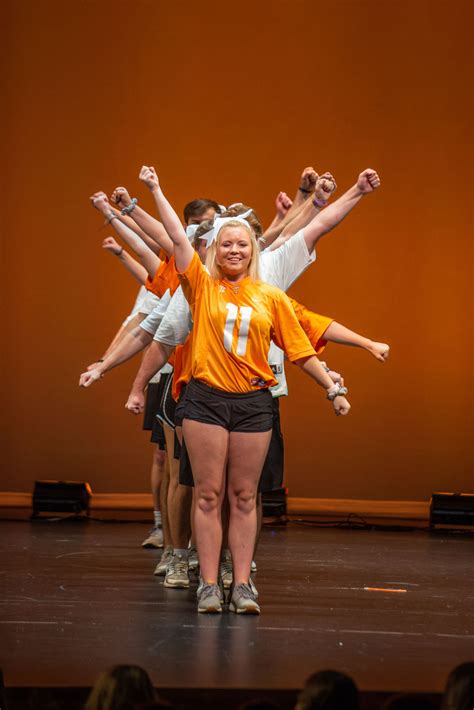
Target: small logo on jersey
[221, 289]
[258, 382]
[277, 369]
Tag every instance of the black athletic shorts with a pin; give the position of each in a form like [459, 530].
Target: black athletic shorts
[166, 405]
[151, 405]
[272, 472]
[245, 412]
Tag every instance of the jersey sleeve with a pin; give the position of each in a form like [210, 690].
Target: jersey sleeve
[193, 279]
[287, 332]
[313, 324]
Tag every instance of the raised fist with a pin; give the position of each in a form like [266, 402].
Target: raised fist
[100, 201]
[109, 244]
[325, 186]
[121, 197]
[283, 204]
[308, 179]
[149, 177]
[368, 181]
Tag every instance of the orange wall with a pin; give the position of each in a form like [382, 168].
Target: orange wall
[232, 100]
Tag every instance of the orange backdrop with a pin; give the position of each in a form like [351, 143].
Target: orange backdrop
[232, 101]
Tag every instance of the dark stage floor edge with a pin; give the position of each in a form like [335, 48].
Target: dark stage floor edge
[393, 609]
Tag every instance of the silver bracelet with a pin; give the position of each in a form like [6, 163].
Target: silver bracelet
[336, 391]
[110, 218]
[129, 208]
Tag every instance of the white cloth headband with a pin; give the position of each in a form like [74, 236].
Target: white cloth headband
[220, 222]
[191, 231]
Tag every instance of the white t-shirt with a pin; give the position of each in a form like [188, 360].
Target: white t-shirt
[280, 268]
[137, 305]
[153, 320]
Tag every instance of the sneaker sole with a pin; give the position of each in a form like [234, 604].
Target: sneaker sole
[249, 610]
[227, 584]
[176, 585]
[211, 610]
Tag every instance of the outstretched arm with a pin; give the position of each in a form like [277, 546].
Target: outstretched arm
[183, 251]
[147, 257]
[132, 265]
[334, 392]
[329, 218]
[325, 187]
[129, 346]
[155, 357]
[149, 227]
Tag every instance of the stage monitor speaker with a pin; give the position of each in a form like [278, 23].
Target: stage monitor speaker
[61, 497]
[274, 503]
[453, 509]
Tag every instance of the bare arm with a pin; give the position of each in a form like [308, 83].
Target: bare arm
[129, 346]
[312, 367]
[147, 257]
[183, 251]
[325, 187]
[156, 356]
[138, 271]
[148, 225]
[329, 218]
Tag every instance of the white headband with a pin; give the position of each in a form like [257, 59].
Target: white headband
[191, 231]
[220, 222]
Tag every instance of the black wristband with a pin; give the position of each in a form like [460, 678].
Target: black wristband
[119, 253]
[306, 192]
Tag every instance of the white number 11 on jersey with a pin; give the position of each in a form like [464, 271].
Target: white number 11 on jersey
[245, 316]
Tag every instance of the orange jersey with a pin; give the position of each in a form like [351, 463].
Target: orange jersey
[166, 277]
[313, 325]
[183, 365]
[233, 326]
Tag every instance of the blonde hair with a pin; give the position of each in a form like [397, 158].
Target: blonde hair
[211, 258]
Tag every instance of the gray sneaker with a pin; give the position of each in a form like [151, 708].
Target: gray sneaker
[160, 568]
[154, 539]
[243, 600]
[226, 569]
[193, 559]
[177, 576]
[209, 598]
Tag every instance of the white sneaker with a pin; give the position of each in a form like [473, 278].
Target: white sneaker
[154, 539]
[253, 566]
[160, 568]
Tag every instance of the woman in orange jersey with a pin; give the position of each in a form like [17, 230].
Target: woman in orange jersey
[228, 414]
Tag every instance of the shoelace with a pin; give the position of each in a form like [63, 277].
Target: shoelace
[209, 590]
[178, 566]
[245, 591]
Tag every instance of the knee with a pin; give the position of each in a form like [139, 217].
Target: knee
[243, 500]
[160, 457]
[207, 500]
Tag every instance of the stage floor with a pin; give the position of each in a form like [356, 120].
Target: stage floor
[79, 597]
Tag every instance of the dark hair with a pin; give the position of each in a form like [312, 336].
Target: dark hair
[328, 690]
[120, 688]
[459, 691]
[239, 208]
[196, 208]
